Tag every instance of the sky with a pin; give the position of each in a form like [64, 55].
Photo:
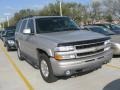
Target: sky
[9, 7]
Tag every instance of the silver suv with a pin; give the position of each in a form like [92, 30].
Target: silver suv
[58, 47]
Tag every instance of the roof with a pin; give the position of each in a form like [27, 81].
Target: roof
[43, 17]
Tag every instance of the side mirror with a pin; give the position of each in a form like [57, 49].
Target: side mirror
[27, 31]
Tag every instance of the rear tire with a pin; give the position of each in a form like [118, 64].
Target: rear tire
[21, 58]
[46, 69]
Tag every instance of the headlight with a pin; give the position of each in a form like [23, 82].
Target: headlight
[64, 48]
[11, 42]
[60, 52]
[107, 44]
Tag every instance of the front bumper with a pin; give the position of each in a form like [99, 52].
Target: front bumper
[11, 46]
[82, 64]
[116, 48]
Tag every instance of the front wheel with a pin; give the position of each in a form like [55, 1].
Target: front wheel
[46, 69]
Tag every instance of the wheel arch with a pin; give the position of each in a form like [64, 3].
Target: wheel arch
[41, 51]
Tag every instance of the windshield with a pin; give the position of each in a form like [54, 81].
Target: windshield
[108, 31]
[107, 26]
[55, 24]
[10, 34]
[99, 30]
[115, 27]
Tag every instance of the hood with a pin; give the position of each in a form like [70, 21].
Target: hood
[115, 38]
[71, 36]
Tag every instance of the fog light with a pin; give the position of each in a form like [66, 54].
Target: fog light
[68, 72]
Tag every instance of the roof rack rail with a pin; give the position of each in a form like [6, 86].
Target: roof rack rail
[30, 16]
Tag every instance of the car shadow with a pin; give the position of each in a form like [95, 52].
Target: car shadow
[114, 85]
[13, 50]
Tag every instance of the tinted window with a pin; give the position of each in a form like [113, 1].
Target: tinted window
[3, 32]
[104, 25]
[10, 33]
[85, 29]
[115, 27]
[31, 25]
[99, 30]
[55, 24]
[18, 26]
[10, 28]
[107, 26]
[23, 26]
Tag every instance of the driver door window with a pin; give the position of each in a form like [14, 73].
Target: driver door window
[23, 26]
[30, 25]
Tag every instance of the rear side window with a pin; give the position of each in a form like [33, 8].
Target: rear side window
[30, 25]
[23, 26]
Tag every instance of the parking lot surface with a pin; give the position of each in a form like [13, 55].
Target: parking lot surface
[20, 75]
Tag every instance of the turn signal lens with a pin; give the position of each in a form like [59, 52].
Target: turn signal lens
[63, 57]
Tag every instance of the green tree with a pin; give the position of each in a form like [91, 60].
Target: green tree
[73, 10]
[109, 18]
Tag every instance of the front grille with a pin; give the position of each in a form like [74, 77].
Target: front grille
[89, 53]
[90, 45]
[86, 48]
[89, 49]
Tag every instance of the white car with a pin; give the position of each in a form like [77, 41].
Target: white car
[116, 44]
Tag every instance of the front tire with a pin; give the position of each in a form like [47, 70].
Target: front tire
[4, 45]
[8, 49]
[21, 58]
[46, 69]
